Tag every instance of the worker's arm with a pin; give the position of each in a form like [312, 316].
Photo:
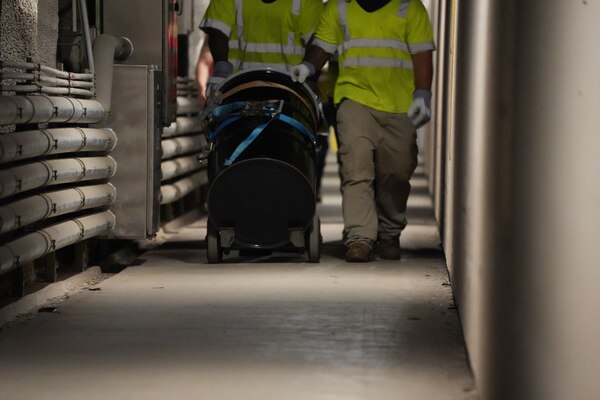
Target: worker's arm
[218, 43]
[420, 110]
[423, 69]
[314, 59]
[316, 56]
[203, 71]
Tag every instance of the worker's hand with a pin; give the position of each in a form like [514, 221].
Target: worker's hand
[420, 109]
[213, 84]
[221, 71]
[300, 72]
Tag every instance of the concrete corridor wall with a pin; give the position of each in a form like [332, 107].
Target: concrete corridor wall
[29, 29]
[521, 192]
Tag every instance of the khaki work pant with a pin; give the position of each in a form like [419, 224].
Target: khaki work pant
[378, 155]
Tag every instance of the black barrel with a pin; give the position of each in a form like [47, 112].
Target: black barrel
[262, 166]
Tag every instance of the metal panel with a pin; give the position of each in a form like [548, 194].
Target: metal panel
[142, 22]
[134, 120]
[155, 22]
[185, 20]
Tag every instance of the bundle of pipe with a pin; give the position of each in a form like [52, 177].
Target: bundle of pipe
[41, 242]
[179, 166]
[40, 174]
[177, 190]
[187, 168]
[23, 145]
[46, 109]
[18, 179]
[187, 105]
[37, 78]
[172, 168]
[52, 204]
[182, 145]
[182, 126]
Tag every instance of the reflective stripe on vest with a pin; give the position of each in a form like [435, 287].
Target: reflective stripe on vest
[403, 10]
[373, 43]
[218, 25]
[377, 62]
[257, 64]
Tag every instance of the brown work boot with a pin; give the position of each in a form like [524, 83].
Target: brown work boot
[389, 249]
[359, 252]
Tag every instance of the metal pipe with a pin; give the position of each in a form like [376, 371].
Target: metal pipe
[39, 243]
[66, 91]
[187, 105]
[49, 109]
[43, 80]
[177, 190]
[182, 126]
[85, 25]
[179, 166]
[22, 76]
[65, 74]
[45, 70]
[52, 204]
[54, 172]
[181, 145]
[61, 82]
[28, 144]
[170, 130]
[107, 49]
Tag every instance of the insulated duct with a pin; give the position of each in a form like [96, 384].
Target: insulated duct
[37, 78]
[187, 105]
[86, 35]
[39, 243]
[177, 190]
[182, 126]
[40, 69]
[179, 166]
[28, 144]
[54, 172]
[107, 49]
[60, 91]
[181, 145]
[49, 109]
[52, 204]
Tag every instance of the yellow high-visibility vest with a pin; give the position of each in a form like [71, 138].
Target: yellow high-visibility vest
[375, 49]
[264, 34]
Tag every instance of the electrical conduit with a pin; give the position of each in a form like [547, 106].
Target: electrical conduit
[39, 243]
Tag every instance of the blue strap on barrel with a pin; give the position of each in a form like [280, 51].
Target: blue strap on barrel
[234, 111]
[226, 109]
[222, 126]
[260, 128]
[297, 125]
[242, 146]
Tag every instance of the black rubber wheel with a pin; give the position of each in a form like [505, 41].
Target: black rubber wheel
[313, 240]
[214, 252]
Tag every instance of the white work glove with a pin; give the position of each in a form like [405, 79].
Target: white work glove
[221, 71]
[300, 72]
[420, 109]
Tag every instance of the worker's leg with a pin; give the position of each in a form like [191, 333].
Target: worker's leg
[396, 160]
[356, 150]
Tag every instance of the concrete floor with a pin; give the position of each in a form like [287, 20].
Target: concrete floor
[274, 327]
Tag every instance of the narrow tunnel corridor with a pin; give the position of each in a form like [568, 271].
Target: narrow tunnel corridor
[269, 327]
